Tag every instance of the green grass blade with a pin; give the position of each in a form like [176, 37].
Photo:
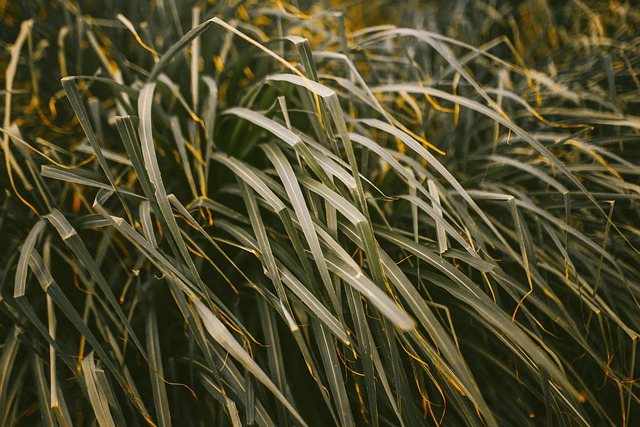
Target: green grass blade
[73, 93]
[70, 236]
[156, 371]
[334, 375]
[23, 262]
[222, 336]
[97, 395]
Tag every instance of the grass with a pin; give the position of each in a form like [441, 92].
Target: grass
[239, 212]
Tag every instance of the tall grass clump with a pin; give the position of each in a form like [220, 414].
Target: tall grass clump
[306, 213]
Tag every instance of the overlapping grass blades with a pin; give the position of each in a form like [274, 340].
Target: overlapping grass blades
[221, 221]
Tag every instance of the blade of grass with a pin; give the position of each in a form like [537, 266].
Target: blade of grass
[97, 395]
[222, 336]
[156, 371]
[73, 93]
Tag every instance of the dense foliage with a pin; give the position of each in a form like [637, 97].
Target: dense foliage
[308, 213]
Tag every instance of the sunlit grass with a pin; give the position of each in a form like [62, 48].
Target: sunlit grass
[258, 213]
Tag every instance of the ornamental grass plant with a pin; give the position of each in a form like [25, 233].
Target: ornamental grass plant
[317, 213]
